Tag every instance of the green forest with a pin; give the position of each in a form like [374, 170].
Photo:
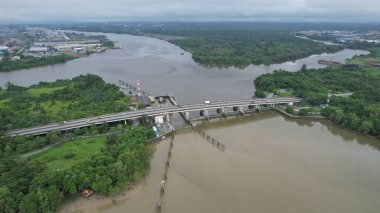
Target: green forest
[7, 64]
[73, 161]
[40, 183]
[83, 96]
[242, 48]
[225, 44]
[359, 111]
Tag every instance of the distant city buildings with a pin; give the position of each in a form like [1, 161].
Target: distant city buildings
[344, 36]
[41, 42]
[38, 49]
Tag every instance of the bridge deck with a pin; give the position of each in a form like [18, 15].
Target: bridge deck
[115, 117]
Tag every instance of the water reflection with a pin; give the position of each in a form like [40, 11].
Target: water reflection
[344, 133]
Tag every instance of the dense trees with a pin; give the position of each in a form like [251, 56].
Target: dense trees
[241, 48]
[226, 44]
[44, 103]
[27, 186]
[360, 111]
[11, 145]
[80, 97]
[108, 43]
[7, 64]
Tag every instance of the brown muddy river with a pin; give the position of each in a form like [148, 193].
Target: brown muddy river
[271, 164]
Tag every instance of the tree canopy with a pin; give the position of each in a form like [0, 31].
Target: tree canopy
[28, 186]
[360, 111]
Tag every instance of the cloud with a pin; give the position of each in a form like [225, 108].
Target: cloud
[192, 10]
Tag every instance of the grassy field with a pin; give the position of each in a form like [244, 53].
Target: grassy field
[372, 71]
[285, 93]
[66, 155]
[55, 108]
[48, 90]
[2, 102]
[366, 61]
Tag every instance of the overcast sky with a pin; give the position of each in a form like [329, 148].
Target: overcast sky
[191, 10]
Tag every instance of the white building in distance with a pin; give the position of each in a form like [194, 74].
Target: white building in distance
[38, 49]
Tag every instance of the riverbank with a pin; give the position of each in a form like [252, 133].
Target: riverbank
[243, 48]
[139, 197]
[321, 88]
[10, 64]
[298, 117]
[152, 61]
[102, 203]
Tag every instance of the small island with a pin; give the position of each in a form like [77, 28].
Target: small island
[227, 44]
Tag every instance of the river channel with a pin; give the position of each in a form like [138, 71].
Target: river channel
[161, 68]
[270, 164]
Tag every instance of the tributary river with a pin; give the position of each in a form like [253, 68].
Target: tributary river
[271, 164]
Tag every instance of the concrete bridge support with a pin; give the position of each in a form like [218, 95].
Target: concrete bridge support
[241, 109]
[187, 115]
[224, 111]
[204, 113]
[167, 117]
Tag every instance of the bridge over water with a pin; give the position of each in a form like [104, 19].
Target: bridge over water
[221, 107]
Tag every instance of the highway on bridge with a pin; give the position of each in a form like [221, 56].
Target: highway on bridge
[115, 117]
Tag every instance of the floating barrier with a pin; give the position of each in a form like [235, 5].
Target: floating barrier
[165, 177]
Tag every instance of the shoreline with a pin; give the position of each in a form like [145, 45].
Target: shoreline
[101, 202]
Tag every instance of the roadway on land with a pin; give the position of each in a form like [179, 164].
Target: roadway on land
[115, 117]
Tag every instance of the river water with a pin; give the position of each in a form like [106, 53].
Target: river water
[271, 164]
[161, 68]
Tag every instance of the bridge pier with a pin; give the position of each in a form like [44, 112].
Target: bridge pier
[241, 109]
[224, 111]
[204, 113]
[167, 117]
[187, 115]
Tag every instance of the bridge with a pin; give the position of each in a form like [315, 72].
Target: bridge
[221, 107]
